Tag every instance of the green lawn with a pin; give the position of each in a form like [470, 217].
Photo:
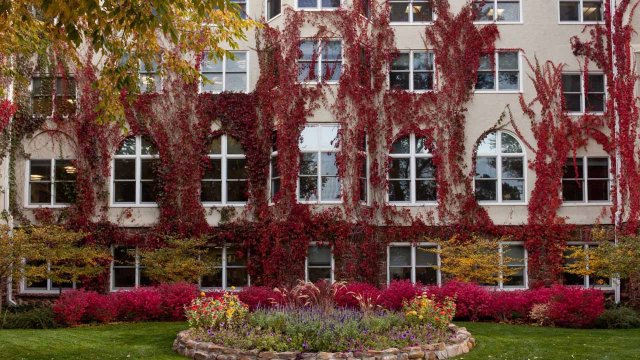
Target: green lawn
[153, 341]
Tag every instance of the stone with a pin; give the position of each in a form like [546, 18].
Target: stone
[201, 355]
[441, 346]
[441, 354]
[464, 347]
[214, 348]
[403, 356]
[430, 355]
[308, 356]
[393, 351]
[415, 354]
[324, 356]
[374, 353]
[191, 344]
[204, 346]
[389, 357]
[287, 355]
[268, 355]
[342, 355]
[453, 350]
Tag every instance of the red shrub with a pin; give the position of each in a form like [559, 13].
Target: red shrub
[575, 307]
[141, 304]
[258, 297]
[510, 305]
[472, 301]
[71, 306]
[175, 297]
[346, 295]
[101, 308]
[396, 294]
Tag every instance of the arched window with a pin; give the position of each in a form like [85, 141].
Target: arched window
[500, 169]
[412, 174]
[225, 179]
[134, 172]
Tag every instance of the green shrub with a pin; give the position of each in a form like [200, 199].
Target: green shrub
[28, 317]
[621, 317]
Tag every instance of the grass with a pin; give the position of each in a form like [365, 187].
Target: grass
[153, 341]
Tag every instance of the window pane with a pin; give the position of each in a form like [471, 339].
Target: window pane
[399, 80]
[214, 170]
[211, 191]
[515, 252]
[572, 172]
[400, 169]
[147, 147]
[400, 273]
[236, 169]
[513, 190]
[148, 168]
[65, 192]
[423, 81]
[572, 190]
[148, 191]
[65, 170]
[571, 83]
[319, 256]
[424, 256]
[399, 11]
[212, 280]
[488, 144]
[124, 256]
[573, 102]
[486, 190]
[40, 193]
[328, 137]
[236, 82]
[399, 190]
[328, 164]
[509, 144]
[211, 64]
[598, 168]
[595, 103]
[237, 191]
[307, 3]
[509, 80]
[124, 191]
[308, 188]
[572, 279]
[486, 168]
[427, 275]
[308, 164]
[213, 83]
[592, 11]
[484, 11]
[426, 190]
[317, 274]
[124, 169]
[569, 11]
[512, 167]
[124, 277]
[237, 277]
[425, 168]
[486, 63]
[598, 190]
[273, 8]
[595, 83]
[486, 81]
[400, 146]
[401, 62]
[309, 47]
[309, 138]
[330, 188]
[508, 11]
[423, 60]
[400, 256]
[233, 146]
[235, 257]
[515, 280]
[421, 146]
[507, 61]
[238, 63]
[422, 11]
[40, 170]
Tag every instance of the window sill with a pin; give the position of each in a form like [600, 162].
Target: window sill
[316, 9]
[221, 205]
[416, 204]
[132, 205]
[415, 23]
[275, 17]
[560, 22]
[302, 202]
[46, 206]
[586, 203]
[498, 91]
[499, 22]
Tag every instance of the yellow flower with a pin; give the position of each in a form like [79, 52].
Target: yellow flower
[233, 288]
[202, 294]
[412, 312]
[420, 317]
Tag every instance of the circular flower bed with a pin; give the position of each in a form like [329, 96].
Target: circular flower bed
[304, 323]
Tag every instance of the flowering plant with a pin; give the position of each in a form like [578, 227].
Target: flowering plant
[425, 310]
[207, 312]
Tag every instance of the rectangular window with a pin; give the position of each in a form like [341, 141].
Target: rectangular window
[518, 255]
[228, 74]
[579, 280]
[229, 268]
[590, 183]
[44, 285]
[318, 4]
[573, 87]
[581, 11]
[321, 60]
[43, 89]
[135, 172]
[411, 11]
[242, 4]
[497, 11]
[274, 7]
[412, 174]
[150, 80]
[225, 179]
[499, 72]
[412, 71]
[417, 263]
[319, 264]
[127, 270]
[52, 182]
[318, 179]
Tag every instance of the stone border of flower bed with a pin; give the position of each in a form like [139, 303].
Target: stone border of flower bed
[460, 342]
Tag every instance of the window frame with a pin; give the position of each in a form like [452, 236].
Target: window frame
[583, 93]
[501, 285]
[414, 247]
[224, 270]
[496, 74]
[585, 183]
[224, 73]
[410, 22]
[580, 13]
[266, 11]
[412, 156]
[318, 7]
[496, 21]
[318, 152]
[138, 173]
[138, 267]
[319, 61]
[411, 71]
[24, 289]
[27, 189]
[586, 278]
[499, 154]
[224, 156]
[332, 262]
[54, 78]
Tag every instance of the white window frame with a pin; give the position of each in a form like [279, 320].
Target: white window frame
[318, 152]
[413, 259]
[138, 173]
[525, 270]
[318, 7]
[583, 92]
[585, 184]
[412, 156]
[499, 155]
[273, 156]
[496, 74]
[580, 13]
[366, 172]
[585, 245]
[137, 266]
[146, 73]
[411, 22]
[319, 61]
[24, 288]
[495, 19]
[411, 71]
[306, 262]
[224, 156]
[266, 9]
[224, 73]
[27, 189]
[223, 269]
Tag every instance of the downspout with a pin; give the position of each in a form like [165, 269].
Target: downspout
[6, 201]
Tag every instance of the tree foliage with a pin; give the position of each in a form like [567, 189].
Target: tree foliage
[178, 260]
